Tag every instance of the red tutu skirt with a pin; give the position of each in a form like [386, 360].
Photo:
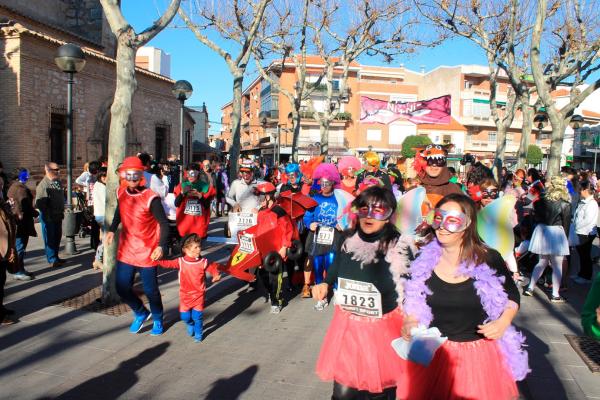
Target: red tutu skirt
[460, 370]
[357, 351]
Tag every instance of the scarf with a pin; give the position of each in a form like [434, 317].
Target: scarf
[489, 288]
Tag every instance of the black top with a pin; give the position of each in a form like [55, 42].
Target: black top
[286, 186]
[377, 273]
[456, 307]
[158, 212]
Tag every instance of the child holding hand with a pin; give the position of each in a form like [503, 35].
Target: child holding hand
[192, 273]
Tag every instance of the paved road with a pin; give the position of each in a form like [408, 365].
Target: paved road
[248, 353]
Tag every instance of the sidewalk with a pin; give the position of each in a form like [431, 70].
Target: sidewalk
[248, 353]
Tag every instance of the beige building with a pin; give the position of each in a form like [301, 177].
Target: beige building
[34, 91]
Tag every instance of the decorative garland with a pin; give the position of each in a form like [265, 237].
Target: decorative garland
[489, 288]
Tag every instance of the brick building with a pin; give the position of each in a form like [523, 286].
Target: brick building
[34, 90]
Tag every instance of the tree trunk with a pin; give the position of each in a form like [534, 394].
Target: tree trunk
[558, 133]
[117, 148]
[236, 118]
[296, 118]
[527, 112]
[324, 134]
[500, 149]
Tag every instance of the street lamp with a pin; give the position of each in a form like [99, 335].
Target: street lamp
[576, 121]
[182, 90]
[70, 59]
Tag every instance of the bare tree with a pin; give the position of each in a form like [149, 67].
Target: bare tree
[128, 41]
[570, 33]
[236, 21]
[501, 30]
[345, 31]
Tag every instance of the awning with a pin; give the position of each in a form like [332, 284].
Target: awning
[485, 101]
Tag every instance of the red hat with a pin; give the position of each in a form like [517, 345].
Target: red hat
[132, 163]
[246, 165]
[265, 187]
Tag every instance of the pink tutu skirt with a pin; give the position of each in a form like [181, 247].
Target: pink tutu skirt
[357, 351]
[460, 370]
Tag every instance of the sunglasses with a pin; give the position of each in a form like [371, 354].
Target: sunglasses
[55, 169]
[325, 183]
[451, 220]
[376, 211]
[489, 194]
[133, 176]
[436, 161]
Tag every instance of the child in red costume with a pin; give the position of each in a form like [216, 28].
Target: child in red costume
[192, 199]
[269, 216]
[192, 273]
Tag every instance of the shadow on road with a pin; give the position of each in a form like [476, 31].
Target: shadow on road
[112, 385]
[232, 388]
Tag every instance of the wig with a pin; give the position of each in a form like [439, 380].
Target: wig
[371, 158]
[327, 171]
[556, 189]
[308, 168]
[349, 165]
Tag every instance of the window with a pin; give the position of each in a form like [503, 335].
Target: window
[161, 144]
[468, 108]
[510, 137]
[481, 110]
[58, 138]
[492, 137]
[468, 84]
[373, 134]
[398, 131]
[447, 139]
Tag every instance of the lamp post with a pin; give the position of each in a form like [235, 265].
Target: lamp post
[182, 90]
[70, 59]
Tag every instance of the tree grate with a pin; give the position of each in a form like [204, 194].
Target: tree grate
[588, 349]
[92, 301]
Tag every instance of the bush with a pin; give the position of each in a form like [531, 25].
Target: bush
[411, 142]
[534, 154]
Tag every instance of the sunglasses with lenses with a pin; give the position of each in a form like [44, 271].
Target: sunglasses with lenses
[436, 161]
[133, 176]
[489, 194]
[451, 220]
[376, 211]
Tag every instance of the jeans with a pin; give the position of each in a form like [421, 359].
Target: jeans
[21, 245]
[125, 277]
[584, 249]
[52, 233]
[193, 317]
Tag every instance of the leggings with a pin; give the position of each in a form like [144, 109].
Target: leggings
[321, 265]
[341, 392]
[556, 262]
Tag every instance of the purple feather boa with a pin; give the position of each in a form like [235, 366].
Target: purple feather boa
[489, 289]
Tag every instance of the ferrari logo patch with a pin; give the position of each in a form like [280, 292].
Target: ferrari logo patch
[238, 258]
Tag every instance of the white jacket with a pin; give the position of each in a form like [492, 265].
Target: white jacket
[586, 216]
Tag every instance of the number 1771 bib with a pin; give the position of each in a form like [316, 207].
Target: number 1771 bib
[359, 298]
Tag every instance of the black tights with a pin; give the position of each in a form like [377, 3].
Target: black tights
[342, 392]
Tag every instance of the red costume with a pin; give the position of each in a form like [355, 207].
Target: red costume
[192, 273]
[276, 217]
[140, 231]
[193, 214]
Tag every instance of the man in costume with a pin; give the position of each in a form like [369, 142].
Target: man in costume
[430, 165]
[372, 169]
[192, 200]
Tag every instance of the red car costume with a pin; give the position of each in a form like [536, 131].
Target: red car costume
[193, 214]
[192, 274]
[140, 232]
[276, 217]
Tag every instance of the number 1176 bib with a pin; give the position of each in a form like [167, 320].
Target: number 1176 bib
[359, 298]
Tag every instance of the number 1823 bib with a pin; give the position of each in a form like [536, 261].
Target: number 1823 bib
[359, 298]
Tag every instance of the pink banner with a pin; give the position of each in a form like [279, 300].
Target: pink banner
[432, 111]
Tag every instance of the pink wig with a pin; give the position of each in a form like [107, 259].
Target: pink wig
[349, 162]
[327, 171]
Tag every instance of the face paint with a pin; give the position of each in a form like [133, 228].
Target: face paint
[133, 176]
[451, 220]
[376, 211]
[489, 194]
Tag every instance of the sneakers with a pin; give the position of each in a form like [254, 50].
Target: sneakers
[157, 329]
[528, 292]
[22, 276]
[275, 309]
[582, 281]
[557, 299]
[306, 292]
[138, 321]
[321, 304]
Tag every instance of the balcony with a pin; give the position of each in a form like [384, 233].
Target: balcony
[272, 114]
[342, 116]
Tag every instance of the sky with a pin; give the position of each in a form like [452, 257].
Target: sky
[210, 77]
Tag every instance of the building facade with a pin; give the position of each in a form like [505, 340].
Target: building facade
[154, 60]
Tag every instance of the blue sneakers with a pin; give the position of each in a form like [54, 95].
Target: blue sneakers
[138, 321]
[157, 329]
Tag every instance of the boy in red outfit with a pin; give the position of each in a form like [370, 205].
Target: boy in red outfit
[192, 273]
[271, 215]
[192, 199]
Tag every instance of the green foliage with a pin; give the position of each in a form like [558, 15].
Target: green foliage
[344, 116]
[534, 154]
[410, 142]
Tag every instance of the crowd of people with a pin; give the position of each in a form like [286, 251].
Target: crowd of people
[386, 281]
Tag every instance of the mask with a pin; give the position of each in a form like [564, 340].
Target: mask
[489, 194]
[293, 178]
[436, 162]
[452, 221]
[376, 211]
[193, 173]
[325, 183]
[133, 176]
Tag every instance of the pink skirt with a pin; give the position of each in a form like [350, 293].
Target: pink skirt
[357, 351]
[460, 370]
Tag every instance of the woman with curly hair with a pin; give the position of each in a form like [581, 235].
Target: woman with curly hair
[549, 239]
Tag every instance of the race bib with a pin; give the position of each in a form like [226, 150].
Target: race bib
[246, 244]
[193, 207]
[325, 235]
[359, 298]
